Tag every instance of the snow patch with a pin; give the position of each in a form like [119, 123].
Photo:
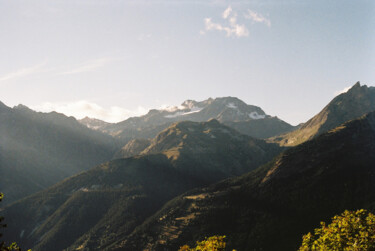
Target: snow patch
[232, 105]
[171, 108]
[182, 113]
[255, 115]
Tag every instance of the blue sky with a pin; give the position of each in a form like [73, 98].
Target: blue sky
[114, 59]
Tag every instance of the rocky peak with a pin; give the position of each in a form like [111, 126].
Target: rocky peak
[189, 103]
[22, 107]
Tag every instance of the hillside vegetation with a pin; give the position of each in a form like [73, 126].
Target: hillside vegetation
[272, 207]
[104, 205]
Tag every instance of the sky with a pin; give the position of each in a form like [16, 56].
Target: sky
[113, 59]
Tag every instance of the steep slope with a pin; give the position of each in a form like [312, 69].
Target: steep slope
[108, 202]
[228, 110]
[358, 101]
[222, 150]
[133, 147]
[38, 149]
[262, 128]
[273, 206]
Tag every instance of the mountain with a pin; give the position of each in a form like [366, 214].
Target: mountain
[94, 124]
[133, 147]
[356, 102]
[191, 145]
[39, 149]
[222, 150]
[93, 209]
[247, 119]
[262, 128]
[272, 207]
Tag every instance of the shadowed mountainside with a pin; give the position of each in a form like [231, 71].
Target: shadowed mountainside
[39, 149]
[272, 207]
[108, 202]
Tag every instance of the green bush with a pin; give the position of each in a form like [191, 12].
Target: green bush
[213, 243]
[349, 231]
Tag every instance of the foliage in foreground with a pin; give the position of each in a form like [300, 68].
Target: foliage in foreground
[349, 231]
[3, 247]
[213, 243]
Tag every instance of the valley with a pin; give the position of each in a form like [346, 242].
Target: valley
[199, 175]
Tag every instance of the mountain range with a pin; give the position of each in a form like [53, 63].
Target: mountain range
[105, 203]
[176, 175]
[272, 207]
[247, 119]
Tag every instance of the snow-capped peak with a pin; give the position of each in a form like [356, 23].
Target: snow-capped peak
[189, 104]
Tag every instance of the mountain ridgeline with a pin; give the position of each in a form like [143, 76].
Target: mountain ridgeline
[272, 207]
[177, 175]
[247, 119]
[107, 203]
[222, 150]
[356, 102]
[39, 149]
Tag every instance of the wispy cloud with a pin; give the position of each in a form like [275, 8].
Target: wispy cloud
[82, 108]
[227, 12]
[231, 28]
[88, 66]
[342, 91]
[257, 17]
[23, 72]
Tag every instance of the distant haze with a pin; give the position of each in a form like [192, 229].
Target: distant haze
[115, 59]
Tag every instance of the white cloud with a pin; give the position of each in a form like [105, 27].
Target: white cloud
[82, 108]
[257, 17]
[227, 12]
[22, 72]
[88, 66]
[232, 28]
[342, 91]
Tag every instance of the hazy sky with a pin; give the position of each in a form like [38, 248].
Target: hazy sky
[112, 59]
